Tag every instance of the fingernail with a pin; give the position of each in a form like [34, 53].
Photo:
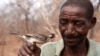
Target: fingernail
[31, 47]
[28, 55]
[32, 55]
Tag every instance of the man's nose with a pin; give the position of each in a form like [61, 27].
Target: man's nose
[70, 30]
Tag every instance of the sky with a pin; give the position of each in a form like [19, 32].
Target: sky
[3, 3]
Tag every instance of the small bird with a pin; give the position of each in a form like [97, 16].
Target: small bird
[38, 38]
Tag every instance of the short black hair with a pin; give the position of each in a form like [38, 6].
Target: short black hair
[86, 4]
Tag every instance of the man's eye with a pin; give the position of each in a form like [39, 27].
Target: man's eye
[79, 24]
[63, 22]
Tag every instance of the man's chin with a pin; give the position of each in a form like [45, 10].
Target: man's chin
[71, 42]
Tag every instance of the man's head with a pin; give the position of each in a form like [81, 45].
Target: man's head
[75, 20]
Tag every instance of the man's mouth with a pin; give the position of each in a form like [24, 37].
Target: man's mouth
[71, 40]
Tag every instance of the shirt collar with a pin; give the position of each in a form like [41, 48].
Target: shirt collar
[92, 48]
[59, 47]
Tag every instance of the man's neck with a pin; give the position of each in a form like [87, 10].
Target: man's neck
[79, 50]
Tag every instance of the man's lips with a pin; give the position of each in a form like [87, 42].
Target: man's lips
[71, 39]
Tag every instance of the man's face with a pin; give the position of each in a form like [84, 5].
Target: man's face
[73, 25]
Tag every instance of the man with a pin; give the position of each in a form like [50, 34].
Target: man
[75, 20]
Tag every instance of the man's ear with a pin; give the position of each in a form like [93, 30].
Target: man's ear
[93, 22]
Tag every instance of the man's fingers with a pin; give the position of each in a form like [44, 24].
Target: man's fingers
[23, 52]
[31, 46]
[27, 49]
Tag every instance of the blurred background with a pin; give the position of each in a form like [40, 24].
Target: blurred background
[32, 16]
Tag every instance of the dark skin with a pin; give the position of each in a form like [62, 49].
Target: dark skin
[74, 26]
[29, 50]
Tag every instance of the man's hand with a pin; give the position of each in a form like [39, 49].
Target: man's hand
[29, 50]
